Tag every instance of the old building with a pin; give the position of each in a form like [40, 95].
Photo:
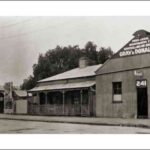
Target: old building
[14, 101]
[69, 93]
[123, 82]
[1, 99]
[20, 101]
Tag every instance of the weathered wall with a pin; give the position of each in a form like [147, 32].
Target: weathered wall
[128, 108]
[125, 63]
[8, 111]
[21, 106]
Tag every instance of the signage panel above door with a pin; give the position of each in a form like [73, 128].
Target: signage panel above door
[141, 83]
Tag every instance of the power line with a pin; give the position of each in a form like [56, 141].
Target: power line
[30, 32]
[25, 33]
[16, 23]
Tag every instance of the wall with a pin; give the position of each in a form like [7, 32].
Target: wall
[8, 111]
[128, 108]
[125, 63]
[21, 107]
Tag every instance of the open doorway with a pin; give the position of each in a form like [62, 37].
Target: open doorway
[142, 103]
[1, 103]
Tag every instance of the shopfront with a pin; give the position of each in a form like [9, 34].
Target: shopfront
[123, 82]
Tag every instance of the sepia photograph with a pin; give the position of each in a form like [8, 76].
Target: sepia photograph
[74, 75]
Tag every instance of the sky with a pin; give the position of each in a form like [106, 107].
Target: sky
[22, 39]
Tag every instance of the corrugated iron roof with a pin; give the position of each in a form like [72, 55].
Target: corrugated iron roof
[21, 93]
[1, 88]
[74, 73]
[64, 86]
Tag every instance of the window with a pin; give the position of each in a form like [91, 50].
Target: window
[117, 92]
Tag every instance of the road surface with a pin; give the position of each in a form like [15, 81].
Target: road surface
[13, 126]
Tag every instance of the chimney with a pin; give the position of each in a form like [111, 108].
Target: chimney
[83, 62]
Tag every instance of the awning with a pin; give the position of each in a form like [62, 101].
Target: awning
[63, 86]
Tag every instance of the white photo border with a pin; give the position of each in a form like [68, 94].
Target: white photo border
[74, 8]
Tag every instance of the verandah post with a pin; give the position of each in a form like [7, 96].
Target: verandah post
[46, 97]
[46, 107]
[38, 99]
[89, 101]
[81, 99]
[63, 92]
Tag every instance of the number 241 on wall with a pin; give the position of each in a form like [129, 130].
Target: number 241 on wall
[141, 83]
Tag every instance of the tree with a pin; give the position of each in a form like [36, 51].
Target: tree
[28, 83]
[104, 54]
[61, 59]
[91, 52]
[56, 61]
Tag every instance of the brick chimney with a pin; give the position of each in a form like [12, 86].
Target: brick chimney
[83, 62]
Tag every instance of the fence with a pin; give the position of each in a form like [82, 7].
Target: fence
[67, 110]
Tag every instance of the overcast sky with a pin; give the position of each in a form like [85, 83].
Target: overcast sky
[23, 38]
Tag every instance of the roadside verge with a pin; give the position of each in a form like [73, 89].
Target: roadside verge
[143, 123]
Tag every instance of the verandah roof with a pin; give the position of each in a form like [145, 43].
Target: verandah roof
[76, 85]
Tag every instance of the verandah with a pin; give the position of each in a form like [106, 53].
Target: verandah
[71, 102]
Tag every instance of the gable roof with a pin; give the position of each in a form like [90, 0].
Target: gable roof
[134, 55]
[141, 37]
[21, 93]
[74, 73]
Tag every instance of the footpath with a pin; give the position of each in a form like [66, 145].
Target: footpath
[145, 123]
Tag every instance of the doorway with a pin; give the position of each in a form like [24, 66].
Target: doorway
[1, 103]
[142, 103]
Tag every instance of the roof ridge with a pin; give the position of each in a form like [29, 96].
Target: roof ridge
[69, 71]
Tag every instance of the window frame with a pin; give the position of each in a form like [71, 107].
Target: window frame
[113, 93]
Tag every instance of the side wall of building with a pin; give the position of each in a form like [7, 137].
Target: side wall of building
[125, 63]
[104, 94]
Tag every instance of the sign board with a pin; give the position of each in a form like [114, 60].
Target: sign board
[141, 83]
[136, 46]
[138, 73]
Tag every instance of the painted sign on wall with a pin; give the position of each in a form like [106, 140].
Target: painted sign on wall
[136, 46]
[141, 83]
[138, 73]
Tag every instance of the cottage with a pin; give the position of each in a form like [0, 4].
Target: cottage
[20, 101]
[13, 100]
[71, 93]
[123, 82]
